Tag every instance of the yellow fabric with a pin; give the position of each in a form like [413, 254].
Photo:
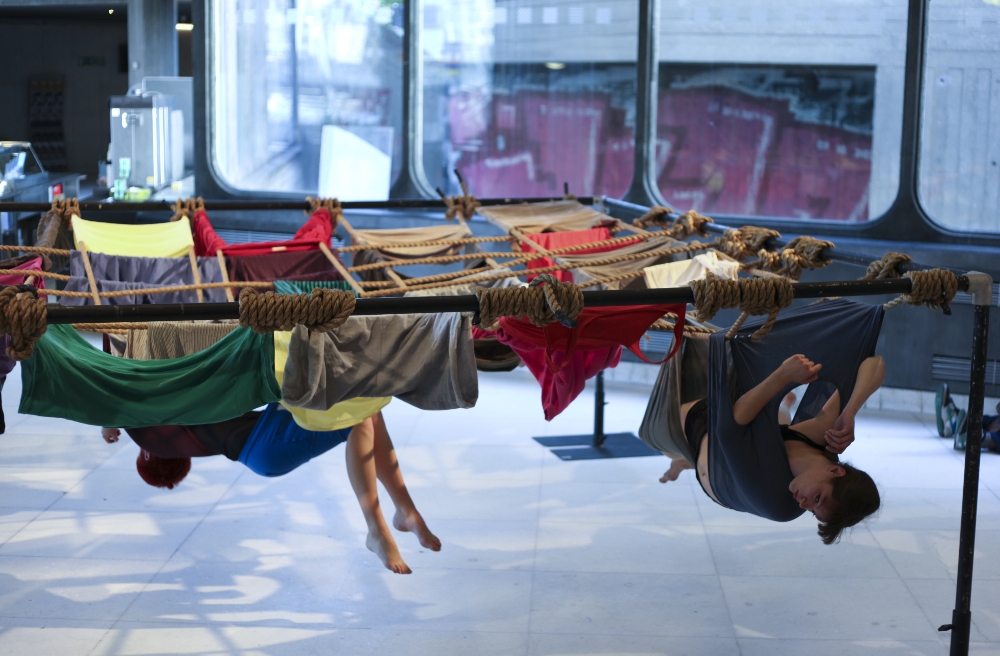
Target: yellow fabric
[341, 415]
[172, 239]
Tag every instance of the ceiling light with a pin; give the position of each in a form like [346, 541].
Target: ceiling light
[555, 66]
[111, 11]
[184, 27]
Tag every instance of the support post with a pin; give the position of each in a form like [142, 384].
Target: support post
[981, 288]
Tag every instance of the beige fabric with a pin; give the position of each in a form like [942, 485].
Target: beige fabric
[555, 216]
[583, 273]
[425, 233]
[679, 274]
[164, 340]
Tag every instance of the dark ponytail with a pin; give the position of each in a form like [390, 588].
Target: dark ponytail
[856, 497]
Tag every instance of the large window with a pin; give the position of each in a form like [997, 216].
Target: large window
[305, 90]
[524, 96]
[960, 137]
[785, 109]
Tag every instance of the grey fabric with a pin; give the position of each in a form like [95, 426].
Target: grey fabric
[163, 340]
[426, 360]
[114, 272]
[371, 256]
[748, 465]
[682, 379]
[78, 284]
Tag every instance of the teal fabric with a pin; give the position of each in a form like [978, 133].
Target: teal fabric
[68, 378]
[306, 286]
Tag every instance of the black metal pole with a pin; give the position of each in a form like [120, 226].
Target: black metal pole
[961, 617]
[253, 205]
[599, 412]
[371, 306]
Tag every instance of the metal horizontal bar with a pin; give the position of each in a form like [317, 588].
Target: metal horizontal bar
[834, 254]
[426, 304]
[253, 205]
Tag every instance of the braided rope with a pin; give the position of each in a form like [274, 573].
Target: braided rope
[544, 301]
[35, 249]
[157, 290]
[115, 327]
[331, 205]
[886, 267]
[463, 206]
[753, 296]
[322, 310]
[654, 217]
[421, 244]
[37, 274]
[934, 289]
[23, 318]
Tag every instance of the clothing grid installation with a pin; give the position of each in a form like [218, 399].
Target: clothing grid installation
[339, 346]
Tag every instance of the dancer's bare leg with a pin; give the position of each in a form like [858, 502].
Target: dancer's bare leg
[407, 517]
[677, 465]
[360, 450]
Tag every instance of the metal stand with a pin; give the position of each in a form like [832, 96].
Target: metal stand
[599, 445]
[981, 286]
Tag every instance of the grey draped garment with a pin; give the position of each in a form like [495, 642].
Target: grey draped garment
[120, 272]
[682, 379]
[748, 465]
[426, 360]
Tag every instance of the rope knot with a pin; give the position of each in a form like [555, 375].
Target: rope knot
[187, 207]
[688, 224]
[753, 296]
[23, 316]
[322, 310]
[463, 206]
[745, 242]
[887, 266]
[655, 216]
[934, 289]
[545, 300]
[331, 205]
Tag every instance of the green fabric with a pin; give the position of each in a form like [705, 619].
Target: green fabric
[306, 286]
[68, 378]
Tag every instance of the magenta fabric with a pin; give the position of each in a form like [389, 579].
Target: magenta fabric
[553, 240]
[319, 228]
[34, 264]
[560, 388]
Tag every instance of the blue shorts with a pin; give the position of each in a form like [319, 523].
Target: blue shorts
[278, 445]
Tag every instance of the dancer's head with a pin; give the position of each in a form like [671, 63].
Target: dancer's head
[838, 494]
[162, 472]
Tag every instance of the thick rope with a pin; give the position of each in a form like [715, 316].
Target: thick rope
[36, 274]
[23, 318]
[801, 253]
[114, 327]
[186, 207]
[322, 310]
[753, 296]
[934, 289]
[656, 216]
[544, 301]
[421, 244]
[156, 290]
[744, 242]
[887, 266]
[35, 249]
[463, 206]
[331, 205]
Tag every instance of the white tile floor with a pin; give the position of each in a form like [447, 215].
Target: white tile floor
[540, 556]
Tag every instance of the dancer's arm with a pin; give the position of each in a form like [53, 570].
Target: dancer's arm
[871, 375]
[796, 369]
[110, 435]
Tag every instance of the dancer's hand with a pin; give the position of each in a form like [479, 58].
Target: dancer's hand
[799, 369]
[841, 435]
[110, 435]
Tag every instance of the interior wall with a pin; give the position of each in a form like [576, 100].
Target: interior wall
[46, 47]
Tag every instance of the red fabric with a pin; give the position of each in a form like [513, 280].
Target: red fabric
[34, 264]
[561, 387]
[319, 228]
[596, 328]
[562, 359]
[552, 240]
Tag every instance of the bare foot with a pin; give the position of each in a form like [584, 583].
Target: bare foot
[385, 548]
[414, 523]
[676, 467]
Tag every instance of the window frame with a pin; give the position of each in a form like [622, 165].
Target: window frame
[905, 220]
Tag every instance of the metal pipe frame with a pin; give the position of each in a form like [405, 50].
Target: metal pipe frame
[258, 205]
[469, 303]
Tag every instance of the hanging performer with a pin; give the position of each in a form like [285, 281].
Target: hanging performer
[272, 444]
[746, 458]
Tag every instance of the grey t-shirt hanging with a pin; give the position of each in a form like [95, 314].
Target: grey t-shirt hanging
[426, 360]
[748, 465]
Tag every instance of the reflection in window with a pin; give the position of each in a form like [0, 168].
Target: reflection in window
[787, 109]
[304, 88]
[960, 139]
[522, 97]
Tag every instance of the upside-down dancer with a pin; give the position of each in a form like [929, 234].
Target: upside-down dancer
[272, 444]
[748, 457]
